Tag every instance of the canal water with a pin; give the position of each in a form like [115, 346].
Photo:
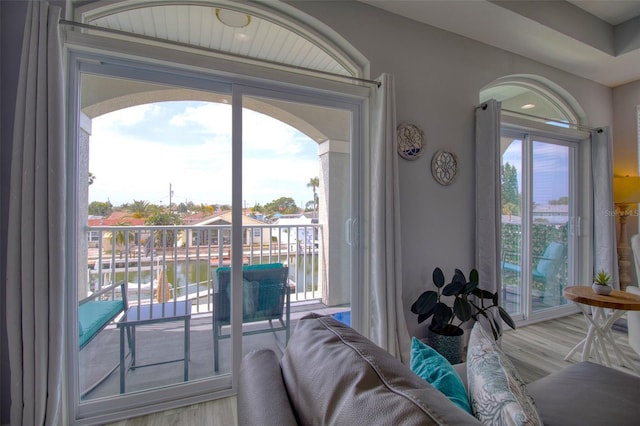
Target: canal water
[303, 270]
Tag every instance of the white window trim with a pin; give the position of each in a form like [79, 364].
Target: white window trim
[511, 125]
[81, 58]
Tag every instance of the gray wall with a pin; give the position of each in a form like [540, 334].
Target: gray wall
[438, 79]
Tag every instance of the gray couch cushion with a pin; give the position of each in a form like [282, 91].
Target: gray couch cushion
[333, 375]
[587, 394]
[262, 397]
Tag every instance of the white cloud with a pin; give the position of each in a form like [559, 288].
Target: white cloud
[124, 117]
[260, 132]
[210, 117]
[130, 161]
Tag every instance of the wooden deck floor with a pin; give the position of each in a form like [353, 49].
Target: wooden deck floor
[536, 350]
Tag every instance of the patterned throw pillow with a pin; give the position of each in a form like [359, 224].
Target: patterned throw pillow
[497, 394]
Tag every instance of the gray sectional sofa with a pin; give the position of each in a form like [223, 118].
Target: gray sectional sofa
[331, 375]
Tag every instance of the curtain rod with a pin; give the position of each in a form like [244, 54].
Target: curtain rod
[524, 114]
[67, 23]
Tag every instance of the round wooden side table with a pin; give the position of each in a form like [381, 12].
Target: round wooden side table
[594, 309]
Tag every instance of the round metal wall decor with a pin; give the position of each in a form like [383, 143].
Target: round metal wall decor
[444, 167]
[410, 141]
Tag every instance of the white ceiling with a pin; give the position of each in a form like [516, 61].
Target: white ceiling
[595, 39]
[612, 11]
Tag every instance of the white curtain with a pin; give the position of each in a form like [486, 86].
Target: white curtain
[388, 328]
[488, 192]
[35, 241]
[604, 226]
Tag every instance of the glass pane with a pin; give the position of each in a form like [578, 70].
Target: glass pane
[297, 199]
[156, 193]
[519, 99]
[511, 175]
[550, 224]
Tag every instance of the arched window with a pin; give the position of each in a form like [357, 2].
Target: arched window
[536, 99]
[265, 33]
[542, 147]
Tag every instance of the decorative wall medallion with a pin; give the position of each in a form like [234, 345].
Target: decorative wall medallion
[410, 141]
[444, 167]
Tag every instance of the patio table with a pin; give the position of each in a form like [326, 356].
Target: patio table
[140, 315]
[605, 310]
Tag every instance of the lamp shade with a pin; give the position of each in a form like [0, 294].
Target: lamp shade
[626, 190]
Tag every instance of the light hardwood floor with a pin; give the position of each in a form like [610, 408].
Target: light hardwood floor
[536, 350]
[221, 412]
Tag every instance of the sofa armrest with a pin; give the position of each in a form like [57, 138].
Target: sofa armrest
[262, 396]
[587, 394]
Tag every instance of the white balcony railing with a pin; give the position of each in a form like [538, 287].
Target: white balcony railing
[183, 259]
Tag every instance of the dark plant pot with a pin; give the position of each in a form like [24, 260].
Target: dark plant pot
[447, 345]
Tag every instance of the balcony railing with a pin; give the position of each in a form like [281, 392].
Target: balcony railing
[172, 263]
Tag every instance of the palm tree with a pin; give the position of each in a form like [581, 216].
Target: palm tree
[140, 209]
[313, 184]
[121, 237]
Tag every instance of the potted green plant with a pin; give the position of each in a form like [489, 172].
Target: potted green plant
[445, 331]
[601, 283]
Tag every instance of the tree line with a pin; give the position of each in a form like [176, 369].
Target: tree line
[511, 196]
[155, 214]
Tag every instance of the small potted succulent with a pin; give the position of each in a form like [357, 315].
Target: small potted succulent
[601, 283]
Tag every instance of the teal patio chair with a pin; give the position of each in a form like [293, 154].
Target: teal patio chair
[265, 297]
[94, 314]
[546, 267]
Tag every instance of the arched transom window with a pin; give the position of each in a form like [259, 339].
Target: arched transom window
[234, 30]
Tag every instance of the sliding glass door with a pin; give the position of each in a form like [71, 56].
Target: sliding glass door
[209, 217]
[539, 199]
[301, 186]
[152, 163]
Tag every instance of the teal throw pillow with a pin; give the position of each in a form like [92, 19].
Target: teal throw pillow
[435, 369]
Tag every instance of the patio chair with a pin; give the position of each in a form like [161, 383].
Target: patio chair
[265, 297]
[546, 267]
[94, 314]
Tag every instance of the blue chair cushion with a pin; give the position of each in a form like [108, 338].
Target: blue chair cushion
[515, 269]
[262, 292]
[511, 267]
[550, 258]
[250, 298]
[94, 315]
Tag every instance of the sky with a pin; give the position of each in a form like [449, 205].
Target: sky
[136, 153]
[551, 169]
